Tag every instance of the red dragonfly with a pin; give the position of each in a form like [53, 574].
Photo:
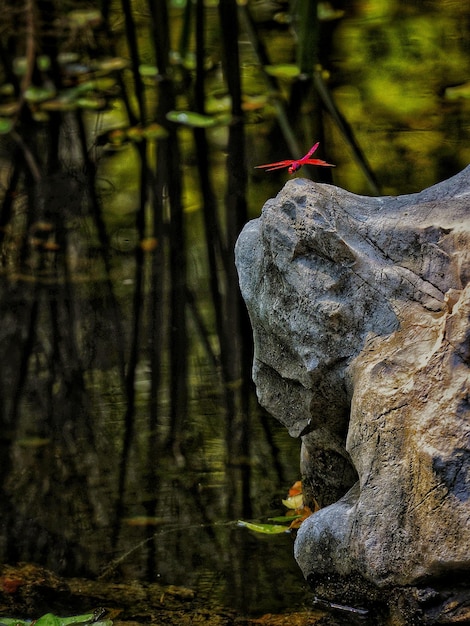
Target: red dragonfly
[294, 166]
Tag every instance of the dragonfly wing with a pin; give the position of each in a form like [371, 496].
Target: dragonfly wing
[275, 166]
[317, 162]
[310, 152]
[278, 167]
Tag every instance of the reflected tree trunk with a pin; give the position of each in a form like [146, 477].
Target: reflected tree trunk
[76, 336]
[237, 354]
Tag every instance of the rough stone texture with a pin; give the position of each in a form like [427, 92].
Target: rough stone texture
[360, 310]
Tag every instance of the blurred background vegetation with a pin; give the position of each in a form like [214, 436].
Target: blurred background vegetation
[129, 130]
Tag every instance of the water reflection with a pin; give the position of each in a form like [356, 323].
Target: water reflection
[119, 417]
[60, 462]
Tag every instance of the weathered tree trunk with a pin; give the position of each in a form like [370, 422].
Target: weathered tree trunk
[360, 310]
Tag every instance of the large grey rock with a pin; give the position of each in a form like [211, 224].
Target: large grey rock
[360, 310]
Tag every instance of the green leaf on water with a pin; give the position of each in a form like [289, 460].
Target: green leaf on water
[266, 529]
[5, 125]
[39, 94]
[7, 89]
[43, 62]
[91, 103]
[283, 70]
[458, 91]
[49, 619]
[148, 71]
[194, 120]
[99, 84]
[112, 64]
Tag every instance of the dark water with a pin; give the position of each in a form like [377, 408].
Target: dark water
[399, 74]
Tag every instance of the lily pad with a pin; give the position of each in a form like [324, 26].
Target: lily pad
[111, 64]
[6, 125]
[39, 94]
[43, 62]
[7, 89]
[195, 120]
[90, 103]
[458, 92]
[266, 529]
[99, 84]
[148, 71]
[285, 70]
[9, 108]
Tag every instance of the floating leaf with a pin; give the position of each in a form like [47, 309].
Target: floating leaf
[9, 108]
[49, 619]
[7, 89]
[112, 64]
[326, 13]
[6, 125]
[100, 84]
[39, 94]
[148, 71]
[40, 116]
[75, 70]
[68, 57]
[94, 104]
[217, 105]
[266, 529]
[20, 65]
[43, 62]
[285, 70]
[296, 489]
[458, 91]
[189, 61]
[192, 119]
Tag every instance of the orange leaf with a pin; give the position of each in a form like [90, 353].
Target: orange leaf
[296, 489]
[305, 512]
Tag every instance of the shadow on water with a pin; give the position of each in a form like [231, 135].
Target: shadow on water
[131, 440]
